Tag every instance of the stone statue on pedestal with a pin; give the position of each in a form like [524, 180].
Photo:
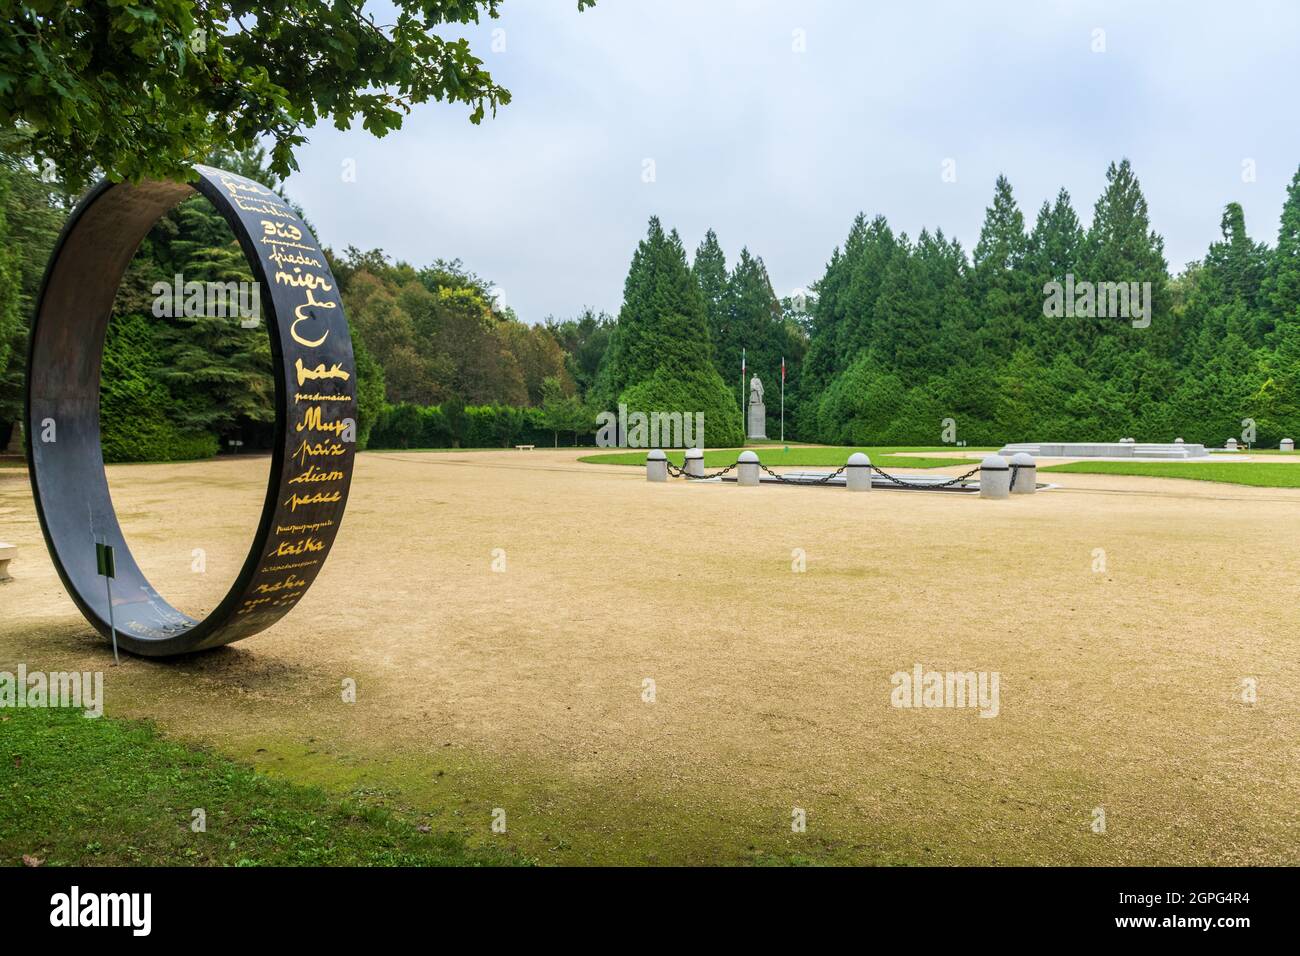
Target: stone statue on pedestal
[15, 440]
[756, 421]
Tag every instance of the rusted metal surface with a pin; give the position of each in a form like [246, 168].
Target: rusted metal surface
[315, 400]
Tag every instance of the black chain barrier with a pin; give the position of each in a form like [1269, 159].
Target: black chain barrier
[676, 472]
[825, 479]
[927, 486]
[1015, 470]
[815, 481]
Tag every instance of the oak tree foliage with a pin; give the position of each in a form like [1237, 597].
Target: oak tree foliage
[146, 88]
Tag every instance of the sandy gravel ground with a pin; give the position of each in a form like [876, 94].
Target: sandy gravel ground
[1121, 690]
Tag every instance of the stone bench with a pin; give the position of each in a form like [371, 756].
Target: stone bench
[525, 447]
[7, 553]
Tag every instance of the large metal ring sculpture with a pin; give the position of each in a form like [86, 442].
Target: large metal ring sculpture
[315, 411]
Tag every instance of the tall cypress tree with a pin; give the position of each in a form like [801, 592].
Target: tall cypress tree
[710, 272]
[759, 327]
[952, 317]
[1121, 237]
[906, 316]
[661, 357]
[1282, 286]
[1276, 403]
[827, 313]
[870, 261]
[1121, 246]
[1002, 244]
[1237, 262]
[1056, 240]
[1055, 245]
[1002, 289]
[1233, 274]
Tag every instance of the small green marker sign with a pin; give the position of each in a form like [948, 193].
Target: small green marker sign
[104, 560]
[107, 569]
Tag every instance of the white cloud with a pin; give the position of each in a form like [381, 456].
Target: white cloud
[779, 150]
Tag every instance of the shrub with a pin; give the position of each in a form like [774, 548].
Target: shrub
[479, 426]
[689, 393]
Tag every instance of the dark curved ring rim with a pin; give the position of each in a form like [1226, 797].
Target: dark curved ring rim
[232, 619]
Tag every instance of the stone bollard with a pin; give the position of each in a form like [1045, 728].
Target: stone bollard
[1178, 441]
[1230, 444]
[1287, 445]
[857, 472]
[656, 465]
[7, 553]
[747, 469]
[995, 477]
[1026, 474]
[695, 462]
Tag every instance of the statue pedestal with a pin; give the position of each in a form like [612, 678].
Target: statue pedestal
[757, 421]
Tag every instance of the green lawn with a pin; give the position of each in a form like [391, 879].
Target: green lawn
[815, 456]
[1260, 474]
[76, 791]
[1265, 451]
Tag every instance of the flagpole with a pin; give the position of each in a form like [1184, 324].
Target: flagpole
[782, 399]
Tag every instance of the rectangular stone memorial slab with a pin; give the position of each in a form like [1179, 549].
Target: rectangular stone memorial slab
[1171, 451]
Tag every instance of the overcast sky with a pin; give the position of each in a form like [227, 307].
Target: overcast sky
[775, 122]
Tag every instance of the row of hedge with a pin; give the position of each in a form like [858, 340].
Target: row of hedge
[452, 425]
[134, 406]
